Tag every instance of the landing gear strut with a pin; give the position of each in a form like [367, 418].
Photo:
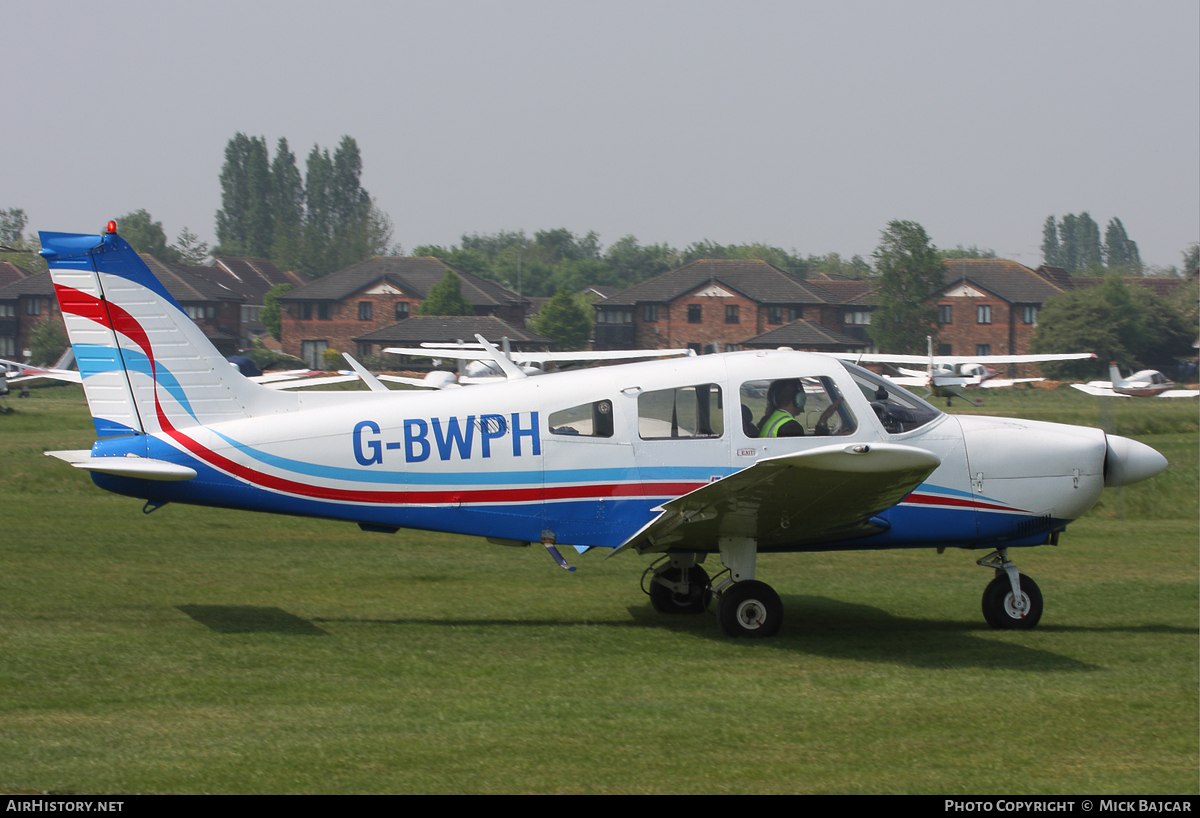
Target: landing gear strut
[679, 586]
[1011, 601]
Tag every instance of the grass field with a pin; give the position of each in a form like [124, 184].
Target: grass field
[197, 650]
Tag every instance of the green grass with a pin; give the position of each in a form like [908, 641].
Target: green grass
[198, 650]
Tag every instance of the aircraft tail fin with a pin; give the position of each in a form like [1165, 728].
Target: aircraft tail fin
[146, 365]
[1114, 373]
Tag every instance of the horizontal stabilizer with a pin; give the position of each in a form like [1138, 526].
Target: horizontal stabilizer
[141, 467]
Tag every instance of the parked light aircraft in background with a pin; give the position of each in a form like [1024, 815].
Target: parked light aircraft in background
[1148, 383]
[945, 376]
[660, 457]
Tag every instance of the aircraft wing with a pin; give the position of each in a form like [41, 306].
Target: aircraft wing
[18, 372]
[821, 495]
[957, 360]
[1178, 393]
[1099, 391]
[304, 383]
[996, 383]
[478, 353]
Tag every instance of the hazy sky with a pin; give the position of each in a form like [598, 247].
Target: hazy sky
[807, 125]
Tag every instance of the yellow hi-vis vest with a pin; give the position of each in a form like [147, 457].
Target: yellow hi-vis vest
[776, 420]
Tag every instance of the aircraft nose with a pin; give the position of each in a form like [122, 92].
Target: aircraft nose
[1128, 461]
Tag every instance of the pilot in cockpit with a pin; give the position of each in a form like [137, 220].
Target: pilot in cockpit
[785, 411]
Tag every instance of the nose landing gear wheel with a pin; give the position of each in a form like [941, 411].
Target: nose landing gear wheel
[1004, 611]
[751, 609]
[696, 600]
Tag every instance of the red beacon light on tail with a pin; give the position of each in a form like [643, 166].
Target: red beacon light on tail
[111, 229]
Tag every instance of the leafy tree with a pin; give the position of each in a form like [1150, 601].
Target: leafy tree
[834, 264]
[271, 313]
[47, 342]
[12, 225]
[146, 235]
[565, 319]
[908, 271]
[287, 205]
[632, 263]
[966, 252]
[446, 298]
[1120, 251]
[245, 224]
[1051, 247]
[1191, 258]
[190, 248]
[1119, 322]
[776, 256]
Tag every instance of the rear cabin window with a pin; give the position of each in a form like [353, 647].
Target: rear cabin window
[688, 412]
[586, 420]
[816, 408]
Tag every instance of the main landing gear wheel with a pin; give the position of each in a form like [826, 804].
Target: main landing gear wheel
[750, 608]
[694, 601]
[1004, 611]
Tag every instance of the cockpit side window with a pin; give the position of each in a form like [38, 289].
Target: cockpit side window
[795, 407]
[687, 412]
[585, 420]
[897, 409]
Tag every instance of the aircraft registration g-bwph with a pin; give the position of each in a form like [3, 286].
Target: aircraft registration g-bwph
[1149, 383]
[666, 458]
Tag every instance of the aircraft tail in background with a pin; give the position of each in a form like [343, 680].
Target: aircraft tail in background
[146, 366]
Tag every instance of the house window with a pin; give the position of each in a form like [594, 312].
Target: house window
[365, 350]
[614, 317]
[650, 313]
[33, 306]
[731, 314]
[8, 310]
[194, 312]
[1029, 315]
[983, 314]
[401, 310]
[945, 349]
[859, 317]
[305, 310]
[795, 313]
[983, 349]
[322, 312]
[694, 314]
[311, 352]
[250, 314]
[945, 314]
[8, 347]
[774, 315]
[364, 310]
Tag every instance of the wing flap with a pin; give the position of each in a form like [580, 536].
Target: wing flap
[824, 494]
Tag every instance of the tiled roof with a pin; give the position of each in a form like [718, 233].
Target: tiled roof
[39, 284]
[186, 283]
[1009, 280]
[757, 280]
[10, 272]
[415, 274]
[849, 291]
[1162, 287]
[804, 334]
[249, 277]
[451, 328]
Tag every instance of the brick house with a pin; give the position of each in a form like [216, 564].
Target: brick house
[332, 312]
[24, 304]
[807, 337]
[250, 278]
[713, 305]
[989, 306]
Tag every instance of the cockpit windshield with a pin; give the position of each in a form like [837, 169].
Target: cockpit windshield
[897, 409]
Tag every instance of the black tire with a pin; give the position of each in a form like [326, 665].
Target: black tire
[695, 601]
[751, 609]
[998, 607]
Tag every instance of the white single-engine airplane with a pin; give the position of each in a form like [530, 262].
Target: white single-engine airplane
[661, 457]
[945, 376]
[1149, 383]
